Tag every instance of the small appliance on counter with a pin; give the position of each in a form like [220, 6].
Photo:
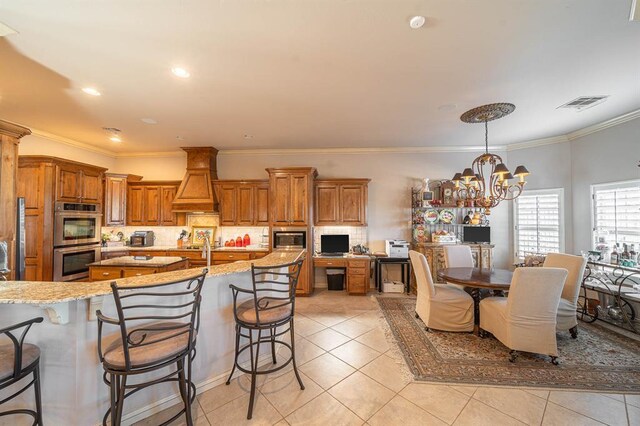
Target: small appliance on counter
[398, 249]
[142, 239]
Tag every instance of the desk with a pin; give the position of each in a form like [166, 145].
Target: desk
[357, 271]
[476, 278]
[406, 270]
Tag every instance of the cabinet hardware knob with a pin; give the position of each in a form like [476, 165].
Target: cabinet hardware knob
[106, 274]
[138, 274]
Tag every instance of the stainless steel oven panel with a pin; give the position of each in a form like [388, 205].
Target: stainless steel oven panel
[58, 261]
[58, 228]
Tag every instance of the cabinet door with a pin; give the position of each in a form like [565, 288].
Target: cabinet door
[304, 285]
[261, 210]
[299, 199]
[135, 206]
[167, 216]
[115, 201]
[91, 186]
[280, 202]
[352, 205]
[68, 184]
[228, 195]
[244, 205]
[152, 205]
[326, 204]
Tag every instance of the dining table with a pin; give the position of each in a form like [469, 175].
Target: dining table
[476, 279]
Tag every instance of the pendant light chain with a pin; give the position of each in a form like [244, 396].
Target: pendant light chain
[486, 136]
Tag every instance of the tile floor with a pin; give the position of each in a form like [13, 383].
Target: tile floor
[354, 376]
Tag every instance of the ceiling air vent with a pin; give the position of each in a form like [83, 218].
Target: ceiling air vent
[584, 102]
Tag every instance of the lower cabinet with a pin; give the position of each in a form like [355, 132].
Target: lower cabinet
[101, 273]
[357, 271]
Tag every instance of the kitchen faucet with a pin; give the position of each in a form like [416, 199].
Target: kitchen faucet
[206, 252]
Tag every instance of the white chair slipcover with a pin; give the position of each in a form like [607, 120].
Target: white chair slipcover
[526, 319]
[440, 306]
[458, 256]
[569, 300]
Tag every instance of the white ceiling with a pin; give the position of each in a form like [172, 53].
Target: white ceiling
[313, 73]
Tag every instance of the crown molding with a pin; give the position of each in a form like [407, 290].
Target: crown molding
[381, 150]
[13, 130]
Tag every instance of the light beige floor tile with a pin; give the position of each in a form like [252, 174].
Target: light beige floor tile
[476, 413]
[285, 395]
[439, 400]
[399, 411]
[282, 422]
[375, 339]
[323, 410]
[544, 394]
[387, 371]
[634, 415]
[199, 418]
[616, 396]
[306, 326]
[517, 403]
[633, 400]
[235, 412]
[556, 415]
[467, 390]
[325, 318]
[371, 319]
[306, 351]
[592, 405]
[327, 370]
[221, 394]
[328, 339]
[352, 328]
[355, 353]
[362, 395]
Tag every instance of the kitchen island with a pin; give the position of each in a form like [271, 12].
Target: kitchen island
[73, 392]
[134, 266]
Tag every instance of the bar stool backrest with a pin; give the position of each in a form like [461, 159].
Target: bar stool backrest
[175, 311]
[18, 341]
[275, 286]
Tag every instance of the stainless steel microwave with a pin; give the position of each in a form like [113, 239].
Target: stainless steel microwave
[289, 238]
[76, 223]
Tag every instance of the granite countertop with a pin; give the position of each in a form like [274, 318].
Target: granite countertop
[176, 248]
[47, 292]
[133, 261]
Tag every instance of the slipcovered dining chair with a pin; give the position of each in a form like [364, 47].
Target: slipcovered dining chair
[526, 319]
[440, 306]
[568, 305]
[458, 256]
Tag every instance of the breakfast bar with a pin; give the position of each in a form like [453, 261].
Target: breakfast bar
[73, 391]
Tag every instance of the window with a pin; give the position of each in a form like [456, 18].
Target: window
[539, 222]
[616, 213]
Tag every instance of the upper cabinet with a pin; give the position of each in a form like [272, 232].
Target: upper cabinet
[78, 182]
[341, 202]
[115, 199]
[291, 193]
[243, 203]
[150, 204]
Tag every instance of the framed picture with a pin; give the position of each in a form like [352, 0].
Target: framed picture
[200, 233]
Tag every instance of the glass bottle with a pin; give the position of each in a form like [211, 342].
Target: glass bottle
[615, 257]
[625, 252]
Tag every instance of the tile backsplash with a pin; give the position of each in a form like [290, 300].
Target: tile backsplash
[255, 233]
[357, 234]
[165, 235]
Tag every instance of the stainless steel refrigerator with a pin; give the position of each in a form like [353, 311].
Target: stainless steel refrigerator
[20, 241]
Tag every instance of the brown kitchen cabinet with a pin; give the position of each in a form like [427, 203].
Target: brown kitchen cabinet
[243, 203]
[341, 202]
[115, 199]
[76, 182]
[291, 194]
[357, 272]
[101, 273]
[150, 204]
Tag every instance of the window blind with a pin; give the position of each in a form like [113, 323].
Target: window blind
[616, 213]
[538, 223]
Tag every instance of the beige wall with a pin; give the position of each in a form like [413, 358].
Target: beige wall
[38, 145]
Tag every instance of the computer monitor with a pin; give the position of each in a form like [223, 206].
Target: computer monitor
[334, 243]
[476, 234]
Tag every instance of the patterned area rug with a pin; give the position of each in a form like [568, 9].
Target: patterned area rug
[598, 360]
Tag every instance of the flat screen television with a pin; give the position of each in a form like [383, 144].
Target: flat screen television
[476, 234]
[334, 244]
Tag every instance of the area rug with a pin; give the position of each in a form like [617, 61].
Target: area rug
[598, 360]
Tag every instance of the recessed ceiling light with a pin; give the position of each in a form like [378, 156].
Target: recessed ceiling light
[180, 72]
[248, 136]
[417, 22]
[180, 138]
[6, 30]
[91, 91]
[115, 139]
[148, 121]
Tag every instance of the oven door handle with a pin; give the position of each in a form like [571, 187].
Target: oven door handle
[78, 249]
[78, 214]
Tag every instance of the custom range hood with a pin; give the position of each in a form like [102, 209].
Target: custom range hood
[195, 193]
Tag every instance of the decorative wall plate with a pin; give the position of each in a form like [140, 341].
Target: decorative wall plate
[431, 216]
[447, 216]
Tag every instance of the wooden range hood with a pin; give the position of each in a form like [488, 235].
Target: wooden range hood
[195, 193]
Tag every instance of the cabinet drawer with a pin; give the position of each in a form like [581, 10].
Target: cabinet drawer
[357, 271]
[358, 263]
[138, 272]
[324, 263]
[189, 254]
[356, 284]
[152, 253]
[105, 273]
[230, 256]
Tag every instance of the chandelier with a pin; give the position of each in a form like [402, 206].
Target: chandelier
[488, 181]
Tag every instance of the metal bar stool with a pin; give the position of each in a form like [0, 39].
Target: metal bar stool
[17, 361]
[271, 306]
[158, 326]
